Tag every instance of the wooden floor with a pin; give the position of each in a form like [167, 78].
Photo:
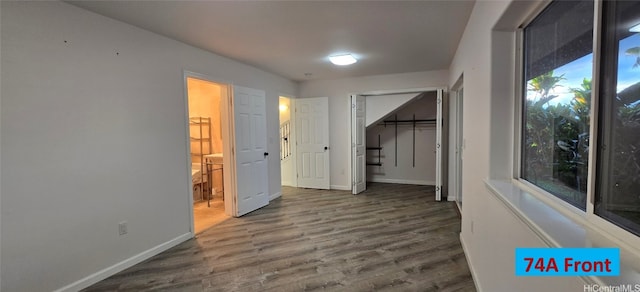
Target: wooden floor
[207, 215]
[392, 237]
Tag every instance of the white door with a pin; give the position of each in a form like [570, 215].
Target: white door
[250, 149]
[358, 144]
[312, 136]
[439, 146]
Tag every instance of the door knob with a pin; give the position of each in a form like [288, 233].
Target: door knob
[326, 148]
[266, 154]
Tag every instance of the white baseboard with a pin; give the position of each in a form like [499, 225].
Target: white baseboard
[275, 196]
[341, 188]
[403, 181]
[121, 266]
[450, 198]
[471, 266]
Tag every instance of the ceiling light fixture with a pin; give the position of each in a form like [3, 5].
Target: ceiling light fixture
[342, 60]
[635, 28]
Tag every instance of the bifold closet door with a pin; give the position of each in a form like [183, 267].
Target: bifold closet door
[358, 144]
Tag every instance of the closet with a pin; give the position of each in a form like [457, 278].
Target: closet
[401, 147]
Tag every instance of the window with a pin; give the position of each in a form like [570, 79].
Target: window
[557, 73]
[556, 116]
[617, 198]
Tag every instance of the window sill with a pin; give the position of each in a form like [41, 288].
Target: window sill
[560, 230]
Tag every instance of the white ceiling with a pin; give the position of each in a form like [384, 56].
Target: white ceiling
[291, 38]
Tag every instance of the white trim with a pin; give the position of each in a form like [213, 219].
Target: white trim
[403, 181]
[229, 156]
[340, 187]
[551, 200]
[125, 264]
[440, 144]
[557, 228]
[594, 110]
[518, 104]
[187, 142]
[467, 255]
[454, 140]
[294, 141]
[275, 196]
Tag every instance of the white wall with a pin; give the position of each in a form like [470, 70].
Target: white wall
[491, 232]
[424, 171]
[93, 133]
[379, 106]
[339, 92]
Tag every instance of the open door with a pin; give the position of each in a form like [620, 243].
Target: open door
[250, 149]
[358, 144]
[312, 149]
[439, 166]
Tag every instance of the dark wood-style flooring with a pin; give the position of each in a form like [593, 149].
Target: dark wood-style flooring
[392, 237]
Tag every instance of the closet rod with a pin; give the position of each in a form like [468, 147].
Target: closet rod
[410, 121]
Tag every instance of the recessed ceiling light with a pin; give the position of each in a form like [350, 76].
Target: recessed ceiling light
[342, 60]
[635, 28]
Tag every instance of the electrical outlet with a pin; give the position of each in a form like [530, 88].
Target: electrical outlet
[122, 228]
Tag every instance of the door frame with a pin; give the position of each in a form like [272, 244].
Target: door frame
[391, 92]
[457, 141]
[228, 131]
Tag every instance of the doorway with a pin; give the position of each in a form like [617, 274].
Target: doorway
[403, 138]
[287, 142]
[206, 148]
[304, 142]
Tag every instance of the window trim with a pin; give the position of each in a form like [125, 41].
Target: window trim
[520, 84]
[594, 119]
[618, 235]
